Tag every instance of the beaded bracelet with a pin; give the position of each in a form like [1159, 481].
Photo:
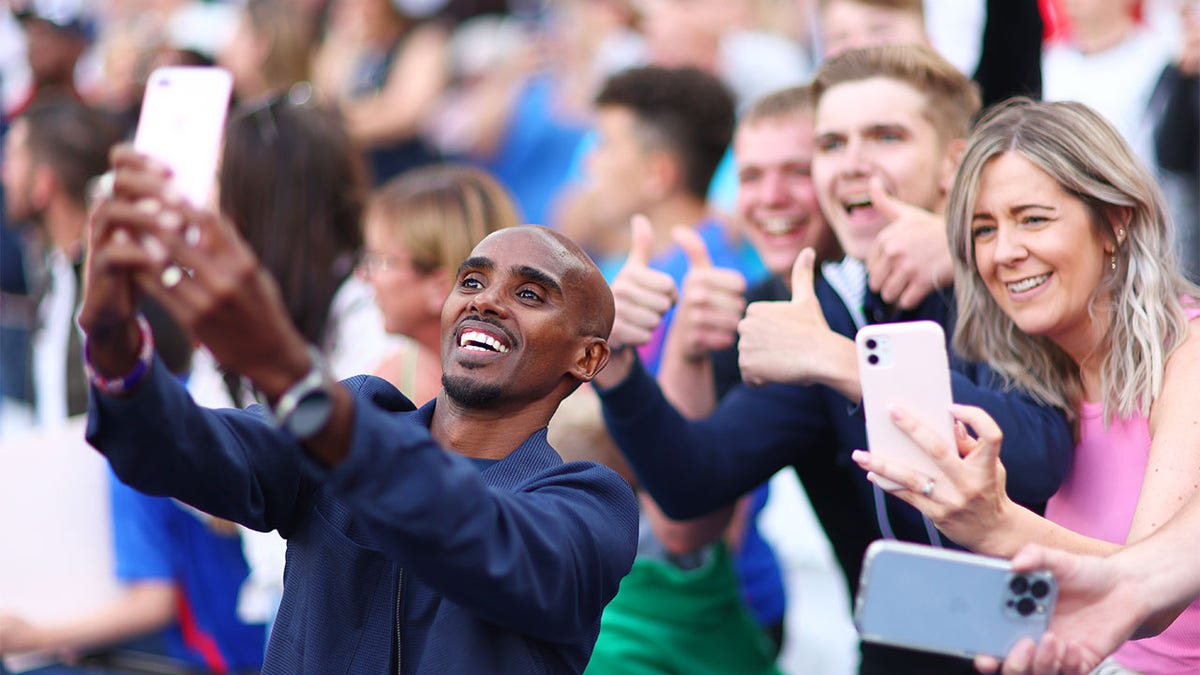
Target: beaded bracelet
[119, 386]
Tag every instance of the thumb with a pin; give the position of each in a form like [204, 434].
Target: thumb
[693, 247]
[641, 240]
[802, 275]
[887, 205]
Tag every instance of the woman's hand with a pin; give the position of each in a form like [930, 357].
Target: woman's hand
[967, 501]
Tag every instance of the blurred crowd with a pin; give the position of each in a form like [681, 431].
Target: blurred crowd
[371, 144]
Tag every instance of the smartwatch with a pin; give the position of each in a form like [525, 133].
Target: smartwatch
[305, 408]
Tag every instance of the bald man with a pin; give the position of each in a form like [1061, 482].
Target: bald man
[449, 539]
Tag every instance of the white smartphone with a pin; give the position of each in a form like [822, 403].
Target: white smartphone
[905, 364]
[949, 602]
[182, 123]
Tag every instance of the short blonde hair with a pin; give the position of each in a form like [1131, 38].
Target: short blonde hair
[1084, 153]
[914, 7]
[952, 99]
[441, 212]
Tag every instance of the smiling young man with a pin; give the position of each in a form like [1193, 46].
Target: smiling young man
[449, 539]
[888, 126]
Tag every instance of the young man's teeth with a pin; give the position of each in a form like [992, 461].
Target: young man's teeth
[857, 202]
[1027, 284]
[481, 339]
[777, 225]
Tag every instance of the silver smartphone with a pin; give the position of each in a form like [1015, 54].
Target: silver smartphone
[949, 602]
[182, 122]
[905, 364]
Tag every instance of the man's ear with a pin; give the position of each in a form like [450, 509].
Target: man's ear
[663, 175]
[43, 186]
[595, 354]
[950, 161]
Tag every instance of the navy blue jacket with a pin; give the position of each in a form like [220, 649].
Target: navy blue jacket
[693, 467]
[504, 570]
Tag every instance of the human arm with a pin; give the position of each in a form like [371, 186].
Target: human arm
[693, 467]
[1102, 602]
[140, 608]
[414, 82]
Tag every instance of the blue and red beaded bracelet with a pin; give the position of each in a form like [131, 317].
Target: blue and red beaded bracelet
[119, 386]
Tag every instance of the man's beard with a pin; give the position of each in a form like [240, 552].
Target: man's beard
[470, 393]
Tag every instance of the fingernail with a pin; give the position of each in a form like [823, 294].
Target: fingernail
[191, 236]
[148, 205]
[171, 195]
[154, 248]
[170, 220]
[859, 455]
[121, 237]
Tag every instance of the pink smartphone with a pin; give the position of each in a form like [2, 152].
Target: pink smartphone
[905, 364]
[182, 123]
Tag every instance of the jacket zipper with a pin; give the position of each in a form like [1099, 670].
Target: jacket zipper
[399, 618]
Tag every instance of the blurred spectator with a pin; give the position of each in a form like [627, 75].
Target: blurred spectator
[419, 228]
[713, 35]
[386, 70]
[52, 151]
[55, 36]
[269, 50]
[523, 101]
[1111, 63]
[1175, 110]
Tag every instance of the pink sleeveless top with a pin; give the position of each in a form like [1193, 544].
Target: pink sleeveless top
[1098, 499]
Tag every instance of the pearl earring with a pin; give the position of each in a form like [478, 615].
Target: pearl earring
[1113, 261]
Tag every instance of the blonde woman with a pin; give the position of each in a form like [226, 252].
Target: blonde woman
[418, 229]
[1067, 285]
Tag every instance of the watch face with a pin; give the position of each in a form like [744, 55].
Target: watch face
[310, 415]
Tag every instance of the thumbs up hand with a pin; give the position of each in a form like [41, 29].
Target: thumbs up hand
[643, 295]
[910, 258]
[791, 343]
[711, 302]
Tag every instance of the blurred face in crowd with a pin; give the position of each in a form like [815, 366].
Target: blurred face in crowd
[52, 51]
[877, 127]
[243, 56]
[846, 25]
[617, 167]
[410, 299]
[1039, 252]
[776, 197]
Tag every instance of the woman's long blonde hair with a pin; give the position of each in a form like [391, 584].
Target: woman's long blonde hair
[1088, 158]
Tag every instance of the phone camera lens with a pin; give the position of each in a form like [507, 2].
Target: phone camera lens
[1039, 589]
[872, 344]
[164, 82]
[1026, 606]
[1018, 585]
[872, 359]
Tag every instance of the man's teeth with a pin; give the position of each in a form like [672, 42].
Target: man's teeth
[483, 342]
[857, 202]
[779, 225]
[1027, 284]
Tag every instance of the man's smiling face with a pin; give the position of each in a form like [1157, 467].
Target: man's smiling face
[516, 322]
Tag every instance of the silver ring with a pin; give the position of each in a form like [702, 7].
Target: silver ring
[171, 276]
[927, 489]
